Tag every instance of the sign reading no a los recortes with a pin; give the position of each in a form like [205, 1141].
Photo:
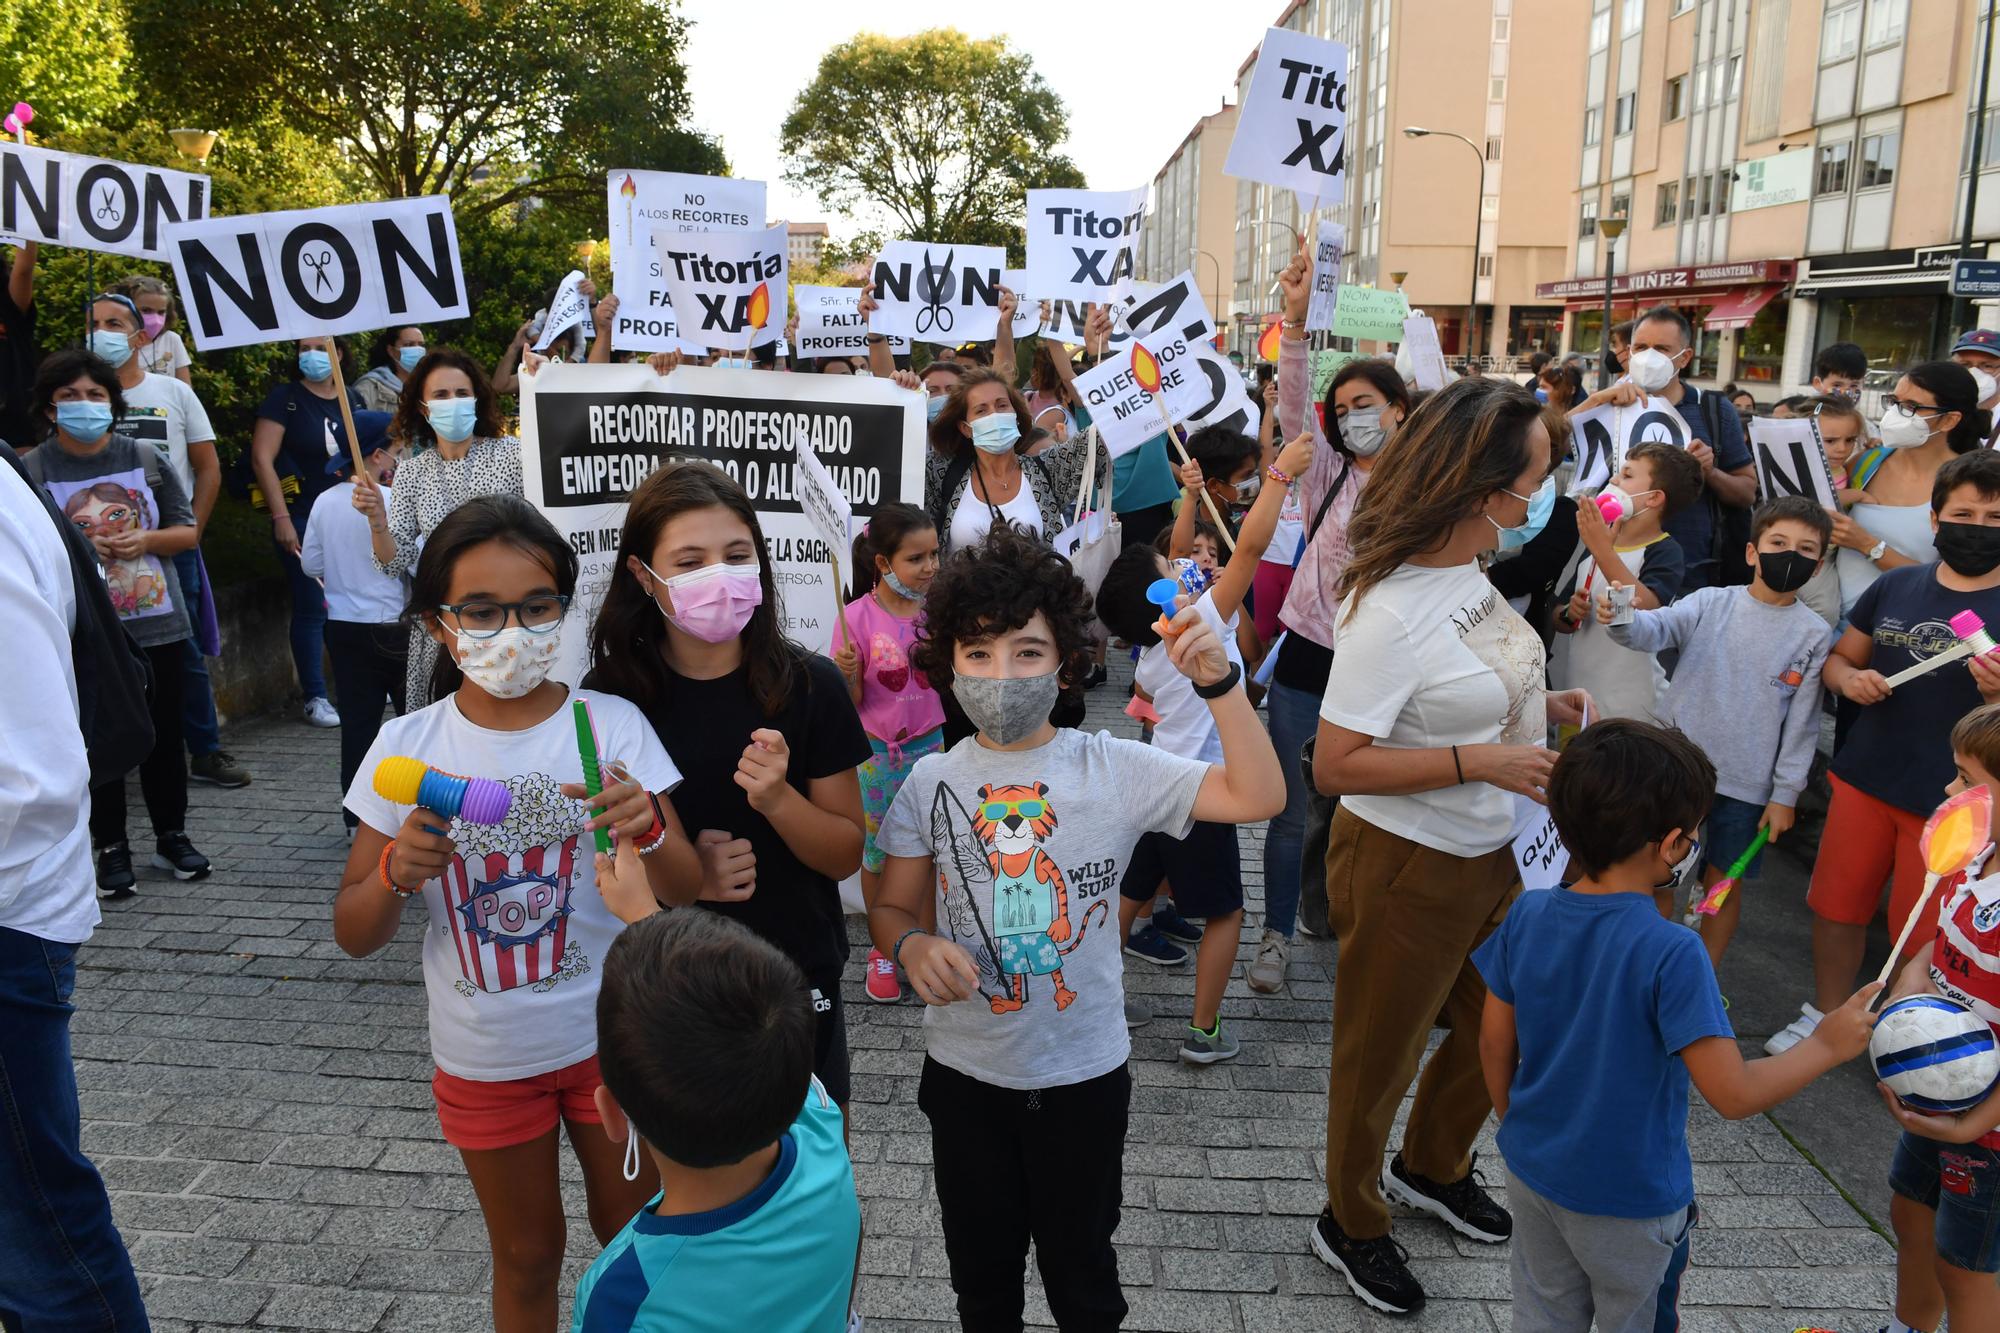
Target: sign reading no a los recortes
[640, 203]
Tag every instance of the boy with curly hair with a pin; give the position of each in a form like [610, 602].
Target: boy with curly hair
[1022, 831]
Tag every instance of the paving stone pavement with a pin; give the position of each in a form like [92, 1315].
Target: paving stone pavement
[261, 1108]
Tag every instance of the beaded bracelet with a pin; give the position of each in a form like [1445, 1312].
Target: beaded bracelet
[896, 950]
[1271, 471]
[656, 836]
[389, 882]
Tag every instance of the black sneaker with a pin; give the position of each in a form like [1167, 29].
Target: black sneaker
[1175, 926]
[1378, 1270]
[1464, 1205]
[114, 872]
[219, 770]
[174, 852]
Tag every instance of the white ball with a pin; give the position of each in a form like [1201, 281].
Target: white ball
[1935, 1054]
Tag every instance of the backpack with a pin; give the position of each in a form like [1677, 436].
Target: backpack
[112, 671]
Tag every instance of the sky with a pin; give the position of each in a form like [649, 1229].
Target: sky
[1133, 89]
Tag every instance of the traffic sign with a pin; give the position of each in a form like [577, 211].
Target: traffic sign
[1975, 277]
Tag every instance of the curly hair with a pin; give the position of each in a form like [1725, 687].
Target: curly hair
[412, 422]
[996, 587]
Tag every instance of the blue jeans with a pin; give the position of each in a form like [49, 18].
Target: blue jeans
[308, 621]
[198, 722]
[1294, 720]
[62, 1263]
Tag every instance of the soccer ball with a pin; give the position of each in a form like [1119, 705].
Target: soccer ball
[1935, 1054]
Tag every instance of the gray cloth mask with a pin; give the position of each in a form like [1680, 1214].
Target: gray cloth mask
[1006, 711]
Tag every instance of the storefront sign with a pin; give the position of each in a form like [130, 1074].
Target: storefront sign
[1766, 182]
[1667, 280]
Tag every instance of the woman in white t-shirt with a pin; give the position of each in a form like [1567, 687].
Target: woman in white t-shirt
[976, 473]
[1435, 717]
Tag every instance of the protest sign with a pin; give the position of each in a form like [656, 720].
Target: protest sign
[93, 203]
[1027, 313]
[828, 514]
[1370, 312]
[1147, 308]
[1292, 130]
[940, 294]
[1226, 398]
[1125, 413]
[727, 288]
[640, 203]
[590, 433]
[570, 308]
[1539, 853]
[310, 272]
[1601, 437]
[1325, 366]
[1081, 242]
[830, 323]
[1325, 297]
[1420, 340]
[1790, 460]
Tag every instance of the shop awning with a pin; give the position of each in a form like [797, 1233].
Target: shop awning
[1736, 309]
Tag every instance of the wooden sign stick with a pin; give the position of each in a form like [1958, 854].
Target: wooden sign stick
[346, 411]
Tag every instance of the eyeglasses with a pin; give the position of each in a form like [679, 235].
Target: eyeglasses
[1912, 406]
[483, 620]
[1028, 807]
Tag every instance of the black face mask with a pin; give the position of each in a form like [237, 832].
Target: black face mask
[1785, 571]
[1970, 549]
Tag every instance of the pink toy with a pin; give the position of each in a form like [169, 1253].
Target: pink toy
[1973, 641]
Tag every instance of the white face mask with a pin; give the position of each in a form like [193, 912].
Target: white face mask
[1986, 384]
[1904, 429]
[1650, 369]
[512, 662]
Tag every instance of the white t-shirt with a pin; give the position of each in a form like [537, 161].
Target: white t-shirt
[165, 413]
[972, 520]
[1186, 726]
[336, 550]
[1435, 657]
[1291, 530]
[514, 951]
[165, 354]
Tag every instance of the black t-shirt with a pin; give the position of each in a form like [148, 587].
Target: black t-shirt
[17, 371]
[314, 433]
[705, 724]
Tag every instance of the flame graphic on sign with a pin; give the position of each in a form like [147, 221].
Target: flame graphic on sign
[629, 188]
[1145, 367]
[1267, 345]
[760, 306]
[1957, 831]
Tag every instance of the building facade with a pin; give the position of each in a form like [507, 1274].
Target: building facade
[1193, 214]
[805, 242]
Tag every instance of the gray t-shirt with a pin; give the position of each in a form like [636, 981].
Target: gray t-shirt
[1030, 846]
[127, 486]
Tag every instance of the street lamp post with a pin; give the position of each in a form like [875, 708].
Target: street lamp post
[1610, 229]
[1478, 221]
[1217, 312]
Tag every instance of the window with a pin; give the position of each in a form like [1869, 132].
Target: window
[1840, 31]
[1700, 87]
[1831, 177]
[1885, 22]
[1486, 266]
[1724, 179]
[1624, 113]
[1635, 17]
[1676, 98]
[1489, 206]
[1735, 77]
[1500, 26]
[1667, 203]
[1496, 90]
[1621, 205]
[1878, 160]
[1706, 206]
[1593, 125]
[1989, 148]
[1600, 31]
[1492, 148]
[1683, 6]
[1586, 225]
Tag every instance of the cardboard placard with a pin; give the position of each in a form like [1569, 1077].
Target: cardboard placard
[1331, 237]
[94, 203]
[1292, 130]
[641, 203]
[1601, 437]
[1147, 308]
[945, 295]
[1125, 414]
[1027, 313]
[830, 323]
[713, 278]
[1420, 340]
[570, 308]
[1790, 460]
[1539, 854]
[1370, 312]
[1081, 243]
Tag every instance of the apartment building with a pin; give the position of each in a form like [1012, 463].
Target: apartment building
[805, 242]
[1194, 216]
[1793, 173]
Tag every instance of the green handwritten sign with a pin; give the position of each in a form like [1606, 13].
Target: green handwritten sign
[1370, 312]
[1326, 365]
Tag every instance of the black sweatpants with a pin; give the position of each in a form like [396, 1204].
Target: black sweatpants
[369, 662]
[163, 776]
[1046, 1164]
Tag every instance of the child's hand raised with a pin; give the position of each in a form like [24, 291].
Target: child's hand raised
[1296, 456]
[1194, 649]
[621, 882]
[1844, 1033]
[940, 970]
[1189, 475]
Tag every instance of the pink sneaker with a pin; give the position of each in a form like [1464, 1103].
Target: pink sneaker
[884, 986]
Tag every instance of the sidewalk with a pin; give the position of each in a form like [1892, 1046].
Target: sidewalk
[261, 1107]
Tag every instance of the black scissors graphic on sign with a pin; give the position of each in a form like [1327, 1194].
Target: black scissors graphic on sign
[934, 288]
[108, 207]
[317, 261]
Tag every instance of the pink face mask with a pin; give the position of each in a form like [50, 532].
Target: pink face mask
[152, 323]
[712, 603]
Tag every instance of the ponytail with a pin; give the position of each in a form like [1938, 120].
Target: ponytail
[883, 535]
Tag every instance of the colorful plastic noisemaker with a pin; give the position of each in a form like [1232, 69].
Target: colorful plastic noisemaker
[593, 774]
[1165, 594]
[1956, 832]
[1709, 905]
[412, 782]
[1973, 641]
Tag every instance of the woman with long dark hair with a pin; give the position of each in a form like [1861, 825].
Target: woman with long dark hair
[392, 358]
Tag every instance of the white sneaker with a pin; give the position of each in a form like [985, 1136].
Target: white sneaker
[1266, 973]
[320, 713]
[1794, 1032]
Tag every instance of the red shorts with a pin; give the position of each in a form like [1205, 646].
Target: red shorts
[483, 1116]
[1865, 842]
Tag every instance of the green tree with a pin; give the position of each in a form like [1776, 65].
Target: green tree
[945, 133]
[65, 58]
[492, 102]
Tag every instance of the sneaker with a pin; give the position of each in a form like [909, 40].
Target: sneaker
[174, 852]
[1148, 943]
[219, 769]
[1377, 1270]
[883, 985]
[320, 713]
[1096, 676]
[114, 872]
[1175, 926]
[1266, 974]
[1203, 1048]
[1793, 1032]
[1463, 1205]
[1137, 1013]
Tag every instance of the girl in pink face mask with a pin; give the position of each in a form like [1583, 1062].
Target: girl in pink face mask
[764, 733]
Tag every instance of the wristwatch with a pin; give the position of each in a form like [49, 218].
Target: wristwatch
[1875, 551]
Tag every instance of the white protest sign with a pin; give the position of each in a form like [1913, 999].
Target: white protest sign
[1420, 340]
[1027, 314]
[830, 323]
[1292, 130]
[93, 203]
[570, 308]
[1601, 437]
[1148, 308]
[1122, 408]
[1539, 853]
[591, 433]
[264, 277]
[826, 509]
[1229, 403]
[1325, 296]
[727, 288]
[941, 294]
[640, 203]
[1790, 460]
[1081, 243]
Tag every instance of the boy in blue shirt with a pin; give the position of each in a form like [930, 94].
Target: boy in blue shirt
[1598, 1012]
[705, 1042]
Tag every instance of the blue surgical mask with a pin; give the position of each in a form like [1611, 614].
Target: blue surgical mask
[1541, 395]
[82, 420]
[933, 406]
[733, 362]
[996, 433]
[315, 365]
[114, 347]
[1540, 505]
[452, 418]
[408, 357]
